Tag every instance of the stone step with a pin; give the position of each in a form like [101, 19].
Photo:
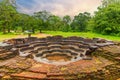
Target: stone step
[40, 48]
[26, 53]
[104, 44]
[7, 55]
[83, 45]
[43, 50]
[74, 38]
[54, 53]
[2, 51]
[61, 76]
[16, 41]
[55, 74]
[64, 42]
[50, 43]
[60, 47]
[36, 42]
[21, 45]
[26, 48]
[29, 75]
[69, 49]
[72, 52]
[40, 69]
[31, 39]
[53, 43]
[39, 44]
[117, 58]
[76, 41]
[1, 75]
[56, 78]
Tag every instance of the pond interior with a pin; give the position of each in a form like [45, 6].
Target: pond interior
[57, 58]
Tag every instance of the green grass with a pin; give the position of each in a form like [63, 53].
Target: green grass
[83, 34]
[10, 35]
[6, 36]
[65, 34]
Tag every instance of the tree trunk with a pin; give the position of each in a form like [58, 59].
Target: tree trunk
[40, 30]
[4, 30]
[29, 35]
[23, 29]
[33, 30]
[8, 30]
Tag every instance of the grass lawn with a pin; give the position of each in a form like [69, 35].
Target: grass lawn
[6, 36]
[83, 34]
[19, 35]
[11, 35]
[65, 34]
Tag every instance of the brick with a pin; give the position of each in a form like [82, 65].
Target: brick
[29, 75]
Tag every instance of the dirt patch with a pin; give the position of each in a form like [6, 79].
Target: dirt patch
[40, 35]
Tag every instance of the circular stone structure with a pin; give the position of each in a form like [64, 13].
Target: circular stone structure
[59, 58]
[57, 50]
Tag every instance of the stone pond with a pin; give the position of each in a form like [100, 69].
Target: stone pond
[59, 58]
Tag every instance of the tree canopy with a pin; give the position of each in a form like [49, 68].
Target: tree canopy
[105, 21]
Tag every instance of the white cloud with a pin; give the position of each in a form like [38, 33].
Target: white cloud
[62, 7]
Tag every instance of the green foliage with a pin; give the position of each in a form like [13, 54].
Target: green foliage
[83, 34]
[66, 24]
[54, 23]
[65, 34]
[105, 3]
[107, 20]
[80, 22]
[7, 12]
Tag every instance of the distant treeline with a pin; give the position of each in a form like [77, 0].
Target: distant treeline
[105, 21]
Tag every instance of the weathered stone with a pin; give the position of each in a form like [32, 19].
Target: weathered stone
[87, 58]
[1, 75]
[90, 59]
[29, 75]
[55, 74]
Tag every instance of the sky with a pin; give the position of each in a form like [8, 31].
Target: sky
[58, 7]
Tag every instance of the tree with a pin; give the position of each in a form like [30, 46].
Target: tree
[66, 23]
[80, 21]
[107, 19]
[43, 16]
[67, 19]
[54, 23]
[7, 11]
[105, 3]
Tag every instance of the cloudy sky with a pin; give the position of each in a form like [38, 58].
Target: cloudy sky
[58, 7]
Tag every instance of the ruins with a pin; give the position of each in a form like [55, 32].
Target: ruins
[57, 57]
